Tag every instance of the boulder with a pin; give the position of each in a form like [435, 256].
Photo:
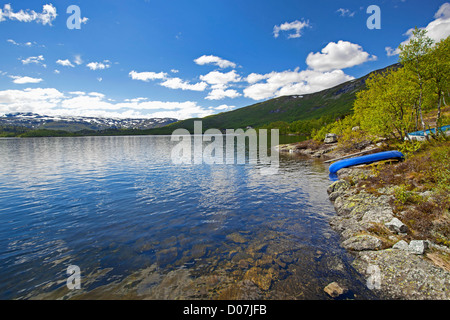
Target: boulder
[362, 242]
[401, 245]
[338, 186]
[415, 246]
[397, 226]
[418, 246]
[377, 215]
[330, 138]
[334, 195]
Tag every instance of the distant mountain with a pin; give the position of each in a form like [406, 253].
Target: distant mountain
[336, 101]
[73, 123]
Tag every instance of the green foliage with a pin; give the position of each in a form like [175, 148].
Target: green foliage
[395, 101]
[382, 109]
[440, 168]
[46, 133]
[409, 148]
[300, 127]
[342, 127]
[403, 194]
[12, 131]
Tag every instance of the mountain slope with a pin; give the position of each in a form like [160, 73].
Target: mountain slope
[74, 124]
[334, 101]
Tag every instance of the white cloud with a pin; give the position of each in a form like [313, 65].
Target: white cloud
[219, 79]
[225, 107]
[29, 100]
[96, 94]
[35, 60]
[11, 40]
[77, 93]
[86, 103]
[219, 82]
[136, 99]
[339, 55]
[24, 80]
[65, 63]
[77, 59]
[172, 83]
[221, 63]
[24, 44]
[193, 111]
[255, 77]
[46, 17]
[98, 65]
[50, 101]
[296, 26]
[346, 12]
[277, 84]
[392, 52]
[437, 29]
[177, 83]
[174, 70]
[218, 94]
[146, 76]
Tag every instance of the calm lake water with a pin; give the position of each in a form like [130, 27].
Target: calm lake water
[140, 227]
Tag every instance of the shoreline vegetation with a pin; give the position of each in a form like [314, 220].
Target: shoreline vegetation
[394, 217]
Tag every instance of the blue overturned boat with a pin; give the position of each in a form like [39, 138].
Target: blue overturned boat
[420, 136]
[367, 159]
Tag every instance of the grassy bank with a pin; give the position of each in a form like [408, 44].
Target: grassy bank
[421, 188]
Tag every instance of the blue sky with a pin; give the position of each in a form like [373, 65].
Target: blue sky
[153, 58]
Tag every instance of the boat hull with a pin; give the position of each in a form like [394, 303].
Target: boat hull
[380, 156]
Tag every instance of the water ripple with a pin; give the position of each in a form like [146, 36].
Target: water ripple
[117, 205]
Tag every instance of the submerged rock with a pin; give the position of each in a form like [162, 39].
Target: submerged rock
[335, 290]
[236, 237]
[261, 277]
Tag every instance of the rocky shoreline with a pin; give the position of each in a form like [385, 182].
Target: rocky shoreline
[378, 239]
[396, 265]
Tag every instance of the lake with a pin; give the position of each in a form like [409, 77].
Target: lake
[139, 226]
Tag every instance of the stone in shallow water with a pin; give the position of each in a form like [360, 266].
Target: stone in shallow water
[261, 277]
[236, 237]
[335, 290]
